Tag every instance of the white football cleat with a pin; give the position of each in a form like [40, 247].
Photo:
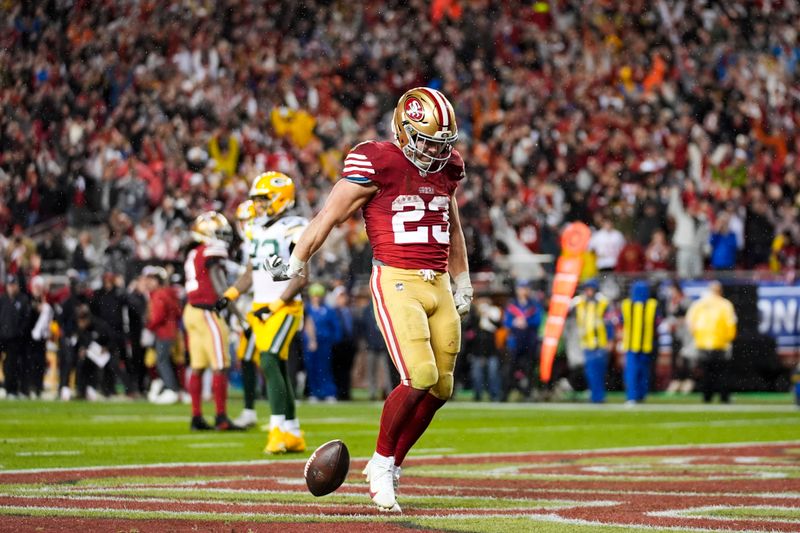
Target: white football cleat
[167, 397]
[65, 394]
[246, 419]
[395, 474]
[380, 475]
[91, 394]
[156, 386]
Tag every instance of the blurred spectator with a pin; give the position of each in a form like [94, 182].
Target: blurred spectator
[322, 330]
[163, 319]
[658, 254]
[39, 327]
[723, 245]
[136, 300]
[684, 351]
[758, 234]
[784, 253]
[109, 304]
[68, 327]
[91, 348]
[15, 313]
[607, 243]
[712, 322]
[631, 258]
[85, 257]
[522, 318]
[482, 350]
[379, 376]
[343, 350]
[690, 236]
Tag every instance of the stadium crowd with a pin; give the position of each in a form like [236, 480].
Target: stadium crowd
[672, 129]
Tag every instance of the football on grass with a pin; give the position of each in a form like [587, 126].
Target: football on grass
[327, 467]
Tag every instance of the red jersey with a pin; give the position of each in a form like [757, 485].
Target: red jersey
[199, 287]
[408, 218]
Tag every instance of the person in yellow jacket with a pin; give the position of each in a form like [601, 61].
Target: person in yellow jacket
[712, 321]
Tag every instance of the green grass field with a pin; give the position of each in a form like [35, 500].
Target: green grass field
[482, 493]
[40, 434]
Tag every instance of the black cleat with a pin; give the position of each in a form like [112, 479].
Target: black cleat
[223, 423]
[199, 424]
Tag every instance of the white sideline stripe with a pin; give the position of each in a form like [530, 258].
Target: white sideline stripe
[260, 517]
[580, 407]
[576, 427]
[47, 454]
[498, 456]
[688, 513]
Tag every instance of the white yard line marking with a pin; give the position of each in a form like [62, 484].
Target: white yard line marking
[48, 454]
[266, 517]
[697, 513]
[215, 444]
[498, 456]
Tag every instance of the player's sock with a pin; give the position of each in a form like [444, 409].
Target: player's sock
[220, 388]
[277, 421]
[195, 391]
[397, 412]
[276, 385]
[291, 426]
[415, 427]
[249, 384]
[289, 406]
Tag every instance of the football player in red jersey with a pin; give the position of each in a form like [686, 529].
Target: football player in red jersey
[406, 190]
[206, 331]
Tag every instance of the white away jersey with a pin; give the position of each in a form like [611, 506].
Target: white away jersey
[262, 242]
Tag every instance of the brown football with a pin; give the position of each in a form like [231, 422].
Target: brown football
[327, 467]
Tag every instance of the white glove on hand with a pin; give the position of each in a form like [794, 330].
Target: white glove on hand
[281, 271]
[463, 294]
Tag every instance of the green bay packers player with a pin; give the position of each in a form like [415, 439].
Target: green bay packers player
[277, 310]
[406, 190]
[206, 330]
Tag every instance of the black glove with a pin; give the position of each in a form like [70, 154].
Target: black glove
[221, 304]
[262, 313]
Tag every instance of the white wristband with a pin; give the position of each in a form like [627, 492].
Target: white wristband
[462, 280]
[296, 266]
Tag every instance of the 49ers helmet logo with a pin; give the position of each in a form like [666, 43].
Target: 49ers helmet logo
[414, 109]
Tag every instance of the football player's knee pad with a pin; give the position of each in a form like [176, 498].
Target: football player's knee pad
[443, 388]
[424, 375]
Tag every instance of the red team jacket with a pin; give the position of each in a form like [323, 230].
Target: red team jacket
[199, 287]
[408, 219]
[165, 313]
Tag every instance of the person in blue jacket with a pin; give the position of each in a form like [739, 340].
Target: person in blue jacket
[522, 318]
[322, 331]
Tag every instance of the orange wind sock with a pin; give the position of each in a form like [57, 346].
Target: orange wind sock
[574, 241]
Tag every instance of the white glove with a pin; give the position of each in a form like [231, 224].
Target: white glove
[463, 295]
[281, 271]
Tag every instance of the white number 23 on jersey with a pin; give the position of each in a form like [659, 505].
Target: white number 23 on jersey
[440, 232]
